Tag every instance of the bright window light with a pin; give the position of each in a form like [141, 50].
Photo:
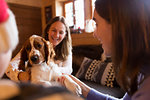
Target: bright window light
[74, 13]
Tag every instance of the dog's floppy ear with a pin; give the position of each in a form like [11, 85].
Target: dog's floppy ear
[49, 51]
[52, 54]
[23, 59]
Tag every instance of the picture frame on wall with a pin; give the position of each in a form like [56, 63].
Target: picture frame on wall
[48, 13]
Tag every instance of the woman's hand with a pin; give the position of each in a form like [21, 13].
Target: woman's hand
[84, 87]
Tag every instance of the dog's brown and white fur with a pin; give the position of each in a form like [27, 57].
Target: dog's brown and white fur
[38, 54]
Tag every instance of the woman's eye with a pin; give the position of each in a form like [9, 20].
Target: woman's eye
[61, 32]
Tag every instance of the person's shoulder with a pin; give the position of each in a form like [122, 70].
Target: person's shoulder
[143, 91]
[8, 89]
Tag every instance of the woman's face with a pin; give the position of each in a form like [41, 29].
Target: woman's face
[103, 32]
[56, 33]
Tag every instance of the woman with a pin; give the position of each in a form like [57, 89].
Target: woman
[123, 27]
[58, 33]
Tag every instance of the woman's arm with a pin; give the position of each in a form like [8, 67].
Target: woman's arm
[89, 93]
[85, 89]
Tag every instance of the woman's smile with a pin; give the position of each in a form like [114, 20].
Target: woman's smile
[57, 33]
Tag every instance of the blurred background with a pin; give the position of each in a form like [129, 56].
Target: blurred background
[32, 16]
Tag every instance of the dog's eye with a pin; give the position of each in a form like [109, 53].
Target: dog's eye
[28, 48]
[39, 45]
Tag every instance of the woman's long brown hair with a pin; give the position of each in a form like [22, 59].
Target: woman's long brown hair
[130, 20]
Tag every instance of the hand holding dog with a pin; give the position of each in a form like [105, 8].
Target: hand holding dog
[84, 88]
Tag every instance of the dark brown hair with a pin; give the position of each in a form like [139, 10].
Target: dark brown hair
[63, 49]
[130, 20]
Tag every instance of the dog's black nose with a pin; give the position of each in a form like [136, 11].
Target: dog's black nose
[34, 58]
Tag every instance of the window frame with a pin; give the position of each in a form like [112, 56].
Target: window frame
[91, 9]
[74, 18]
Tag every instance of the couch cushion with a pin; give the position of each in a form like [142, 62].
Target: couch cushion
[81, 51]
[98, 71]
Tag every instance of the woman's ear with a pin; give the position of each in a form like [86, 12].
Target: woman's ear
[23, 59]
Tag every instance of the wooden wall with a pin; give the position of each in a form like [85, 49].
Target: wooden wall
[84, 39]
[28, 20]
[34, 3]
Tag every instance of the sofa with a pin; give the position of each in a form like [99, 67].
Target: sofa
[94, 53]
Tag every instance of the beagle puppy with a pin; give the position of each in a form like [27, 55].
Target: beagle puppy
[37, 58]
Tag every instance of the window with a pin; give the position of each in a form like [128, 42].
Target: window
[69, 13]
[90, 24]
[93, 5]
[74, 13]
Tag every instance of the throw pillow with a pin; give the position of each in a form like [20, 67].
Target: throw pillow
[98, 71]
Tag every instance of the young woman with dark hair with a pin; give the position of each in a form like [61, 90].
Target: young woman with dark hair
[123, 27]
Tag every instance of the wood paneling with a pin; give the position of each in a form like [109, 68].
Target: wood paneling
[84, 39]
[36, 3]
[28, 20]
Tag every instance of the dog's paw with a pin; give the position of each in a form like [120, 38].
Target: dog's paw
[24, 76]
[72, 85]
